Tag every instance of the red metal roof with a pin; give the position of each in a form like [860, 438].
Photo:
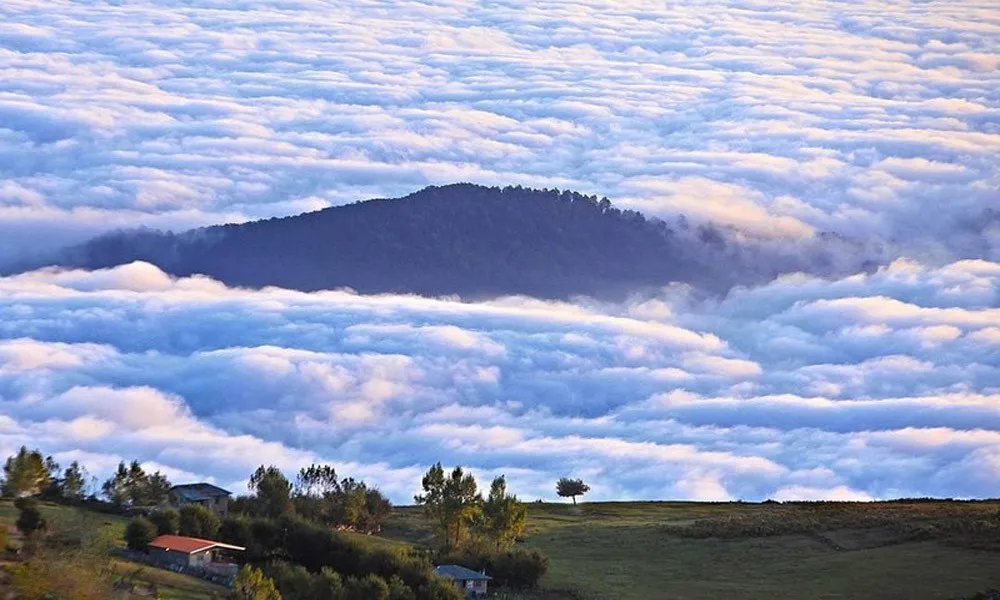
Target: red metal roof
[188, 545]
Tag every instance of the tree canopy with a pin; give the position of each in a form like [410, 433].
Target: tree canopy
[504, 517]
[571, 488]
[132, 486]
[453, 501]
[26, 473]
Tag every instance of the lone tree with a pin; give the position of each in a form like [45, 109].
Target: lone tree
[571, 488]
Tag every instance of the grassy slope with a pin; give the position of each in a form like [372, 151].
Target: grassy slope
[172, 586]
[622, 551]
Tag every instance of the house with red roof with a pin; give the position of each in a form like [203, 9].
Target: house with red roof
[178, 551]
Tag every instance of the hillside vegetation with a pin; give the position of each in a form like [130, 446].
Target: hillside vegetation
[694, 551]
[469, 240]
[134, 581]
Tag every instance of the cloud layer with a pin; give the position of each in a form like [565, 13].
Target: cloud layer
[781, 119]
[872, 386]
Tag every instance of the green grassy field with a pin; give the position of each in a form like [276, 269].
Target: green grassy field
[629, 551]
[667, 550]
[171, 586]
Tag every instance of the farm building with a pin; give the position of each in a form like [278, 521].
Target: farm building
[177, 551]
[210, 496]
[469, 582]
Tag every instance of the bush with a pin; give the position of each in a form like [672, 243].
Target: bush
[369, 587]
[438, 588]
[251, 584]
[29, 519]
[139, 532]
[314, 550]
[167, 521]
[236, 530]
[197, 521]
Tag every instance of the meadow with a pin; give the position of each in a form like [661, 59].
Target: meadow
[169, 585]
[692, 551]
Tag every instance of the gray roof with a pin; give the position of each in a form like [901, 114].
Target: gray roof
[196, 492]
[460, 573]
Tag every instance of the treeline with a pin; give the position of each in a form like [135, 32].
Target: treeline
[29, 473]
[291, 530]
[317, 495]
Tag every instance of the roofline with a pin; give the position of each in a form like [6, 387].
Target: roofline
[202, 483]
[478, 576]
[200, 549]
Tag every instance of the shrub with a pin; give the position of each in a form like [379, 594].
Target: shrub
[328, 585]
[235, 530]
[198, 521]
[251, 584]
[369, 587]
[139, 532]
[29, 519]
[438, 588]
[167, 521]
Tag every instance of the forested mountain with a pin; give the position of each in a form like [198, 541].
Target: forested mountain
[460, 239]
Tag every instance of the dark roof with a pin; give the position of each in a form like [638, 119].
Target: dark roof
[195, 492]
[188, 545]
[460, 573]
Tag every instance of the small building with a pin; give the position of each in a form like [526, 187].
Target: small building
[210, 496]
[471, 583]
[173, 551]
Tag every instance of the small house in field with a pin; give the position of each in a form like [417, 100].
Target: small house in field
[178, 551]
[469, 582]
[210, 496]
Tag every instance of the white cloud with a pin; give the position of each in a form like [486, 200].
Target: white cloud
[782, 120]
[752, 396]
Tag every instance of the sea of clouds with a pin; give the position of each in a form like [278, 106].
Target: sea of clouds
[783, 118]
[873, 386]
[871, 119]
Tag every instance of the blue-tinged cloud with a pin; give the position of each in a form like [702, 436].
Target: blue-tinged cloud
[875, 385]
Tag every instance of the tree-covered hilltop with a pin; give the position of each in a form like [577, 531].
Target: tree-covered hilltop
[460, 239]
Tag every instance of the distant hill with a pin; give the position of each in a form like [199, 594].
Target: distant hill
[458, 239]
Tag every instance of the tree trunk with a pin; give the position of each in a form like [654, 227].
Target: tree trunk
[574, 500]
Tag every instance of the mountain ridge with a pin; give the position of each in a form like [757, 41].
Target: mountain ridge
[463, 239]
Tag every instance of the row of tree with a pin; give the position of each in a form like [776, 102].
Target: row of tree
[464, 517]
[28, 473]
[318, 495]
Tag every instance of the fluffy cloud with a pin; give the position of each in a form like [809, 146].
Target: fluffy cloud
[781, 120]
[875, 385]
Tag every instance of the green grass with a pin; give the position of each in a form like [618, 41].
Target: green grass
[633, 551]
[172, 586]
[627, 551]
